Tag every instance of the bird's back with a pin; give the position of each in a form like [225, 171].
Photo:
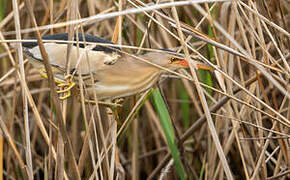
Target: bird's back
[84, 60]
[80, 38]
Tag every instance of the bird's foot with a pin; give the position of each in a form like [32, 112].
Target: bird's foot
[118, 101]
[43, 74]
[65, 86]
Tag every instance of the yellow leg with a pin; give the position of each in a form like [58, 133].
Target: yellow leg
[68, 84]
[43, 74]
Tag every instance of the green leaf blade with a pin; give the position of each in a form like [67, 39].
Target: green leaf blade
[168, 130]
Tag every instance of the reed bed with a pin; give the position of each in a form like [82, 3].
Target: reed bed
[232, 123]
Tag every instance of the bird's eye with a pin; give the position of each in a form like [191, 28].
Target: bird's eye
[173, 59]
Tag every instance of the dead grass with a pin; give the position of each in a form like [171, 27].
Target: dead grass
[230, 124]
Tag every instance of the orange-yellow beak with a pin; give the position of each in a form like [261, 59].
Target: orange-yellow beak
[199, 65]
[183, 63]
[204, 66]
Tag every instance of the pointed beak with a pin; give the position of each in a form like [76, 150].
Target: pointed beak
[199, 65]
[203, 66]
[183, 63]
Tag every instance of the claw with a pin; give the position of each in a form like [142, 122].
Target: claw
[65, 96]
[66, 90]
[42, 73]
[68, 84]
[118, 101]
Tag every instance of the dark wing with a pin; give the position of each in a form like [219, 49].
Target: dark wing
[87, 37]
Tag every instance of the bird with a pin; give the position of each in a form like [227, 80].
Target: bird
[115, 74]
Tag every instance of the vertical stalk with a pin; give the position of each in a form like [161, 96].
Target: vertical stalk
[24, 97]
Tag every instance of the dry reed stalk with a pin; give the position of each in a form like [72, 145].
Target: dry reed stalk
[248, 43]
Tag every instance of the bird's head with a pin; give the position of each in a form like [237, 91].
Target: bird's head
[171, 60]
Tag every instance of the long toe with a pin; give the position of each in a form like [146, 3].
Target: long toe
[68, 87]
[67, 95]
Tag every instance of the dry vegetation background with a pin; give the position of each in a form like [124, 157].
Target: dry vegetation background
[235, 129]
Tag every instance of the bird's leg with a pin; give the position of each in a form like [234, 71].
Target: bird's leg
[43, 74]
[113, 106]
[68, 84]
[116, 109]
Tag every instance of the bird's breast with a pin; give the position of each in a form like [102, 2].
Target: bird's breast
[124, 82]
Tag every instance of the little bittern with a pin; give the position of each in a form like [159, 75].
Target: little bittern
[115, 74]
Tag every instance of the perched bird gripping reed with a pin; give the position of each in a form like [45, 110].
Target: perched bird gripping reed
[115, 74]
